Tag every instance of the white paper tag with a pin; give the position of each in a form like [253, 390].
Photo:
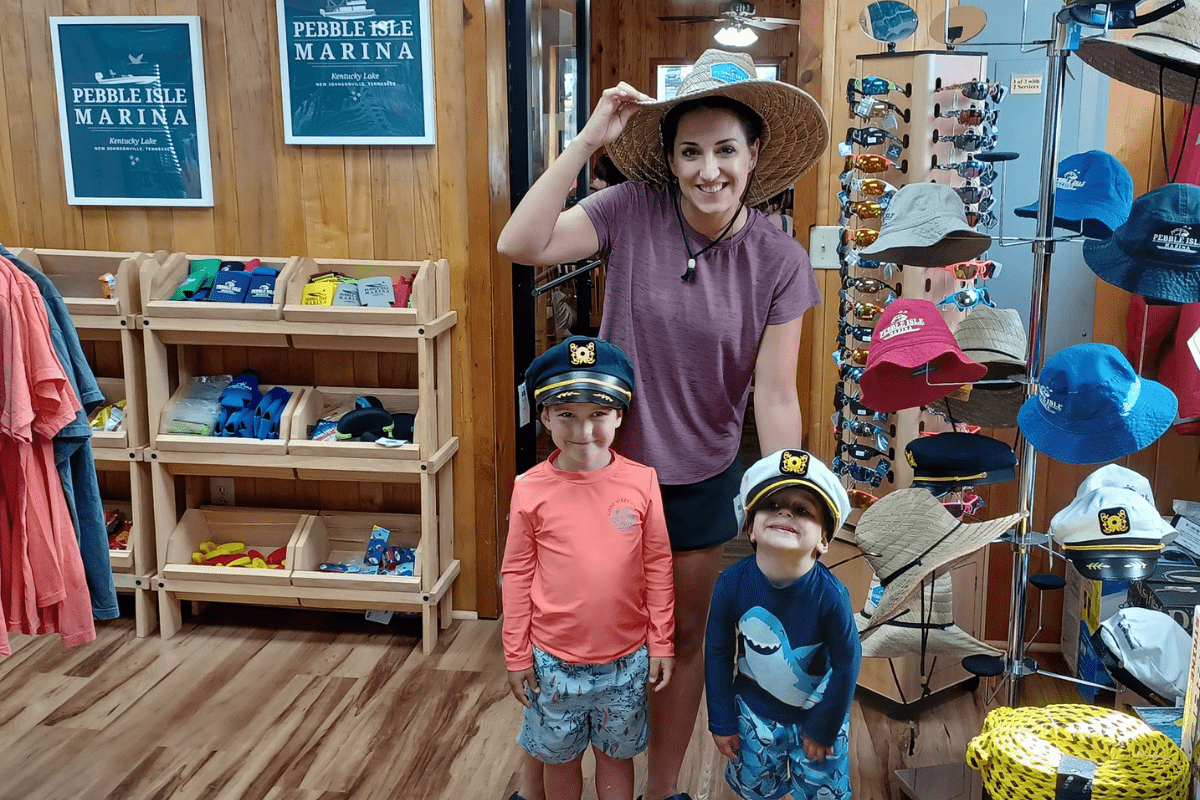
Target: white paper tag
[523, 405]
[864, 107]
[845, 149]
[890, 123]
[1026, 84]
[382, 617]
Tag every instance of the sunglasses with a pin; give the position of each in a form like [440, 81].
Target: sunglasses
[872, 136]
[973, 195]
[866, 285]
[975, 219]
[860, 499]
[860, 428]
[979, 90]
[968, 142]
[870, 108]
[873, 476]
[966, 299]
[872, 187]
[969, 270]
[851, 258]
[860, 332]
[975, 170]
[969, 504]
[863, 209]
[859, 237]
[865, 312]
[970, 116]
[871, 85]
[849, 356]
[843, 402]
[850, 372]
[869, 162]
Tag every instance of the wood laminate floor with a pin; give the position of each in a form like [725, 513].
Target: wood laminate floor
[267, 704]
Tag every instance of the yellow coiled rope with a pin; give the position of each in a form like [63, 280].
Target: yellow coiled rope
[1019, 751]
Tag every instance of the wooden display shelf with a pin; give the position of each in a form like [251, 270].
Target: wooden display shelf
[160, 281]
[426, 276]
[323, 400]
[264, 530]
[161, 439]
[338, 537]
[114, 390]
[76, 275]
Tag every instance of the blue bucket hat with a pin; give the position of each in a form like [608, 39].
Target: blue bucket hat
[1091, 407]
[581, 369]
[1093, 195]
[1156, 253]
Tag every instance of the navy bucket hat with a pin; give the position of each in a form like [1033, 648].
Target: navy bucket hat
[1092, 195]
[1156, 253]
[1091, 407]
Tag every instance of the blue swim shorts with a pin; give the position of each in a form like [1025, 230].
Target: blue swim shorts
[771, 762]
[604, 704]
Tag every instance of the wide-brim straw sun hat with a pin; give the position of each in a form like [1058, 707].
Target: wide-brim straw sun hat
[1160, 53]
[795, 133]
[994, 337]
[907, 535]
[925, 624]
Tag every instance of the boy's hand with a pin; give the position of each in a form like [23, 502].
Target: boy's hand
[516, 684]
[814, 751]
[660, 672]
[728, 745]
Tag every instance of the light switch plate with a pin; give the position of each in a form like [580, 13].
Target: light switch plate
[822, 246]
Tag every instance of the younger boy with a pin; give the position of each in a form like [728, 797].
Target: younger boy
[784, 718]
[588, 589]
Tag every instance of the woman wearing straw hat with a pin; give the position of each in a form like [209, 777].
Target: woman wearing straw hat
[704, 294]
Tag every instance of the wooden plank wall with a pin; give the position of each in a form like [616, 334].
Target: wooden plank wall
[274, 199]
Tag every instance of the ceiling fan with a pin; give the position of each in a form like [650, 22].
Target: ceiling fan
[739, 15]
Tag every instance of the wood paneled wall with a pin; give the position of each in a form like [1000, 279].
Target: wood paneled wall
[280, 200]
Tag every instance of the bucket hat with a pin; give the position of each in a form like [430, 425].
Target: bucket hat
[1160, 52]
[907, 535]
[581, 369]
[791, 468]
[1092, 195]
[925, 624]
[1151, 647]
[1111, 533]
[1156, 253]
[1091, 407]
[925, 225]
[953, 459]
[913, 358]
[795, 133]
[1116, 475]
[994, 337]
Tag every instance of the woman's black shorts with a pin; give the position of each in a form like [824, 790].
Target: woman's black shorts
[700, 515]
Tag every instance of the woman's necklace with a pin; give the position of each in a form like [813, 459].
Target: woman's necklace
[691, 267]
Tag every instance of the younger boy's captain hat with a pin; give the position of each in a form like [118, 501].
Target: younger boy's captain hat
[581, 369]
[792, 468]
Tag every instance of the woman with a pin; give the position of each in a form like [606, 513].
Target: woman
[703, 293]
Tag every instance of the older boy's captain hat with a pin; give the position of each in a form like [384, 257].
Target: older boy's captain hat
[581, 369]
[792, 468]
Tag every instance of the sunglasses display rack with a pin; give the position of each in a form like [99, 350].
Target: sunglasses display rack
[909, 121]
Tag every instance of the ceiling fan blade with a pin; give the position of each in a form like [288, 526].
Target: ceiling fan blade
[691, 19]
[774, 22]
[753, 22]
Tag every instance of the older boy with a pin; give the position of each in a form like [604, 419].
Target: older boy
[588, 609]
[784, 717]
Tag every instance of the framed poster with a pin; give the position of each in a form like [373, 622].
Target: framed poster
[132, 111]
[356, 71]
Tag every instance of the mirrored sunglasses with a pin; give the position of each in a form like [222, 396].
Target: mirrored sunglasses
[970, 116]
[968, 142]
[863, 209]
[860, 499]
[869, 162]
[866, 285]
[849, 356]
[859, 237]
[966, 299]
[979, 90]
[975, 170]
[978, 268]
[969, 504]
[872, 187]
[972, 195]
[872, 476]
[871, 85]
[976, 219]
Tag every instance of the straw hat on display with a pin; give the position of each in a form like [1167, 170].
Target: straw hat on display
[795, 133]
[994, 337]
[918, 628]
[907, 535]
[1165, 52]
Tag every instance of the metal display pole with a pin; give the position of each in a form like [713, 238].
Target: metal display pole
[1043, 250]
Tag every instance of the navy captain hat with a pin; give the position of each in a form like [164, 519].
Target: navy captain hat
[951, 460]
[581, 369]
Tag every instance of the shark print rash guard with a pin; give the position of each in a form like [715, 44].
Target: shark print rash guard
[790, 653]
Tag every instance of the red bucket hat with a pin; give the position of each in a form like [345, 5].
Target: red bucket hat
[914, 359]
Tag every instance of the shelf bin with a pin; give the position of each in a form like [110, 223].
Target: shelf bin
[161, 440]
[336, 536]
[424, 305]
[76, 275]
[264, 530]
[159, 283]
[323, 399]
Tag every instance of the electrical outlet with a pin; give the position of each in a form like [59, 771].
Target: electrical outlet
[221, 490]
[822, 246]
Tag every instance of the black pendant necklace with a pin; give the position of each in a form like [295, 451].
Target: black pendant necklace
[691, 265]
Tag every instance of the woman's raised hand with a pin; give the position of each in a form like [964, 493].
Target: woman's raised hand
[617, 104]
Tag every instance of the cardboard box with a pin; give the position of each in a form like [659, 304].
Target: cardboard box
[1085, 604]
[1173, 588]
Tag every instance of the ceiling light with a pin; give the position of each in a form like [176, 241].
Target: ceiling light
[732, 36]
